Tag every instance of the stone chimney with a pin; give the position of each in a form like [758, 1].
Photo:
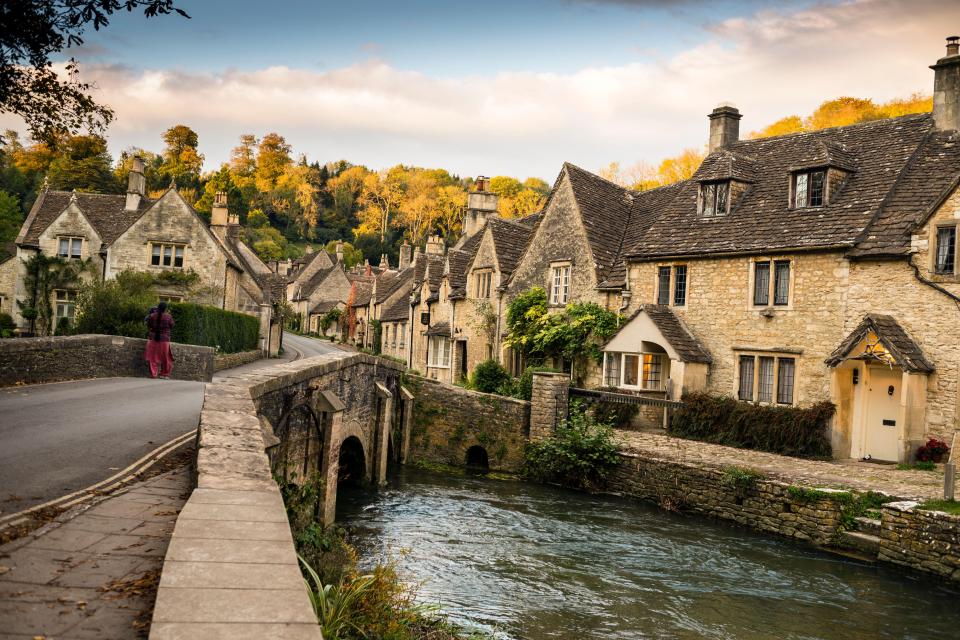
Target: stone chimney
[946, 88]
[406, 254]
[219, 214]
[435, 246]
[724, 127]
[339, 250]
[136, 185]
[416, 255]
[481, 205]
[384, 261]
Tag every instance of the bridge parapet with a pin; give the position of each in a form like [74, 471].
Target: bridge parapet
[231, 568]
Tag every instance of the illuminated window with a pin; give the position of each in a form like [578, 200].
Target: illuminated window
[645, 371]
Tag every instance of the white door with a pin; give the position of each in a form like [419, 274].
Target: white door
[883, 414]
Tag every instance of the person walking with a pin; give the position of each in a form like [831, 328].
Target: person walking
[158, 354]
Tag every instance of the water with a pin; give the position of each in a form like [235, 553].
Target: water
[536, 562]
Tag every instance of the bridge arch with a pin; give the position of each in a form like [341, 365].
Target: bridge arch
[477, 458]
[298, 452]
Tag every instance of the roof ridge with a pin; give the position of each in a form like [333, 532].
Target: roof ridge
[862, 123]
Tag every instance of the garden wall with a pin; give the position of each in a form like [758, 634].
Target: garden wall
[448, 420]
[223, 361]
[924, 540]
[38, 360]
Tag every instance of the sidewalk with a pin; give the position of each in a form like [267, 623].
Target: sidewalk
[845, 474]
[92, 573]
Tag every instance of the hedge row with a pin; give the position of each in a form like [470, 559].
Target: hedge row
[789, 431]
[226, 331]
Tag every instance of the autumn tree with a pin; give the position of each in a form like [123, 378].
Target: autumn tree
[83, 163]
[273, 157]
[182, 162]
[152, 163]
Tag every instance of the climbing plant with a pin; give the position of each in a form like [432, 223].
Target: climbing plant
[330, 317]
[42, 276]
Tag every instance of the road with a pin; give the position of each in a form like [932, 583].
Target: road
[62, 437]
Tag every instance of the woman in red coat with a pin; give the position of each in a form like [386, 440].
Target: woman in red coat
[158, 354]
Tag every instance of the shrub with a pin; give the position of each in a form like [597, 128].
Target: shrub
[790, 431]
[116, 307]
[579, 455]
[63, 327]
[489, 376]
[616, 414]
[227, 331]
[522, 387]
[933, 451]
[7, 325]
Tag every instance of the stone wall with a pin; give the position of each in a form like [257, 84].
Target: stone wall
[449, 420]
[38, 360]
[927, 541]
[230, 360]
[549, 403]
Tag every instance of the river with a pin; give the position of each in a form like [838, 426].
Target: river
[532, 562]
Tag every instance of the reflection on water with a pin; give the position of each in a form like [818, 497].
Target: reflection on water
[536, 562]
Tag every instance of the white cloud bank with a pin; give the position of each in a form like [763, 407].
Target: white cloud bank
[771, 64]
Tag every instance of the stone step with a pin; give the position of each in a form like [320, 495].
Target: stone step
[868, 525]
[860, 542]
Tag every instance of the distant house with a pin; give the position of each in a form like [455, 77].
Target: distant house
[158, 236]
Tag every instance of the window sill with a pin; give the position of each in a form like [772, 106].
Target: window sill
[944, 277]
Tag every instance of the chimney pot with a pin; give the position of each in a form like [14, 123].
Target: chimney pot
[136, 184]
[219, 213]
[724, 127]
[946, 88]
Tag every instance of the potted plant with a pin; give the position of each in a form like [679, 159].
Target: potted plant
[933, 451]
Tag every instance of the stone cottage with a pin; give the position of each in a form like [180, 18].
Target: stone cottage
[164, 237]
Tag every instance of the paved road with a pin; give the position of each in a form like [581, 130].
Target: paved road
[62, 437]
[59, 438]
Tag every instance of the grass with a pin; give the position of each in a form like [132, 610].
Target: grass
[918, 466]
[947, 506]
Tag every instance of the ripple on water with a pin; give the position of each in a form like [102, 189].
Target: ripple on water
[537, 562]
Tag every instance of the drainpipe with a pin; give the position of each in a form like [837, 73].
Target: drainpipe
[934, 285]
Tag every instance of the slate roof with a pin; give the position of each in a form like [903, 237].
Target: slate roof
[7, 251]
[435, 273]
[458, 260]
[901, 346]
[605, 211]
[398, 311]
[363, 291]
[439, 329]
[931, 175]
[105, 212]
[674, 331]
[877, 152]
[510, 238]
[324, 305]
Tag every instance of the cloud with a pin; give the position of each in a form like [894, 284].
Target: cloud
[770, 64]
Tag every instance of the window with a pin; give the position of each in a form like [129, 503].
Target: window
[611, 377]
[679, 282]
[483, 281]
[763, 378]
[439, 347]
[776, 287]
[560, 289]
[808, 189]
[69, 247]
[66, 304]
[680, 285]
[663, 285]
[166, 255]
[403, 332]
[946, 250]
[714, 198]
[635, 370]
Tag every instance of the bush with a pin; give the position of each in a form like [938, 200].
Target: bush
[489, 376]
[7, 325]
[522, 387]
[933, 451]
[789, 431]
[116, 307]
[226, 331]
[616, 414]
[579, 455]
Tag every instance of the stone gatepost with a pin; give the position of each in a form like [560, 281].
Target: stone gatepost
[331, 407]
[549, 403]
[382, 434]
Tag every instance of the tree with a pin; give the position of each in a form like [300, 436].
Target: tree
[42, 276]
[351, 255]
[783, 126]
[11, 217]
[181, 160]
[83, 164]
[151, 168]
[273, 157]
[30, 87]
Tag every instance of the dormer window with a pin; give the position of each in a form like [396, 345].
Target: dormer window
[714, 199]
[809, 188]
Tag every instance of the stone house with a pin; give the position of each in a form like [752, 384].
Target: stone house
[163, 236]
[810, 267]
[316, 284]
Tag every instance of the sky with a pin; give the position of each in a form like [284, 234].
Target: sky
[497, 87]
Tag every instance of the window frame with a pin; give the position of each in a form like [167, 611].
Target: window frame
[71, 243]
[808, 191]
[560, 273]
[712, 188]
[647, 363]
[483, 284]
[771, 298]
[778, 375]
[68, 301]
[935, 267]
[163, 251]
[675, 268]
[442, 362]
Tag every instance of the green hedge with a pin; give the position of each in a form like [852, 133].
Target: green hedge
[226, 331]
[789, 431]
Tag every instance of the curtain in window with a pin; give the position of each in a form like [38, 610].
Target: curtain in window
[155, 255]
[785, 377]
[746, 378]
[631, 370]
[946, 249]
[765, 380]
[612, 375]
[781, 284]
[76, 244]
[63, 247]
[663, 286]
[761, 283]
